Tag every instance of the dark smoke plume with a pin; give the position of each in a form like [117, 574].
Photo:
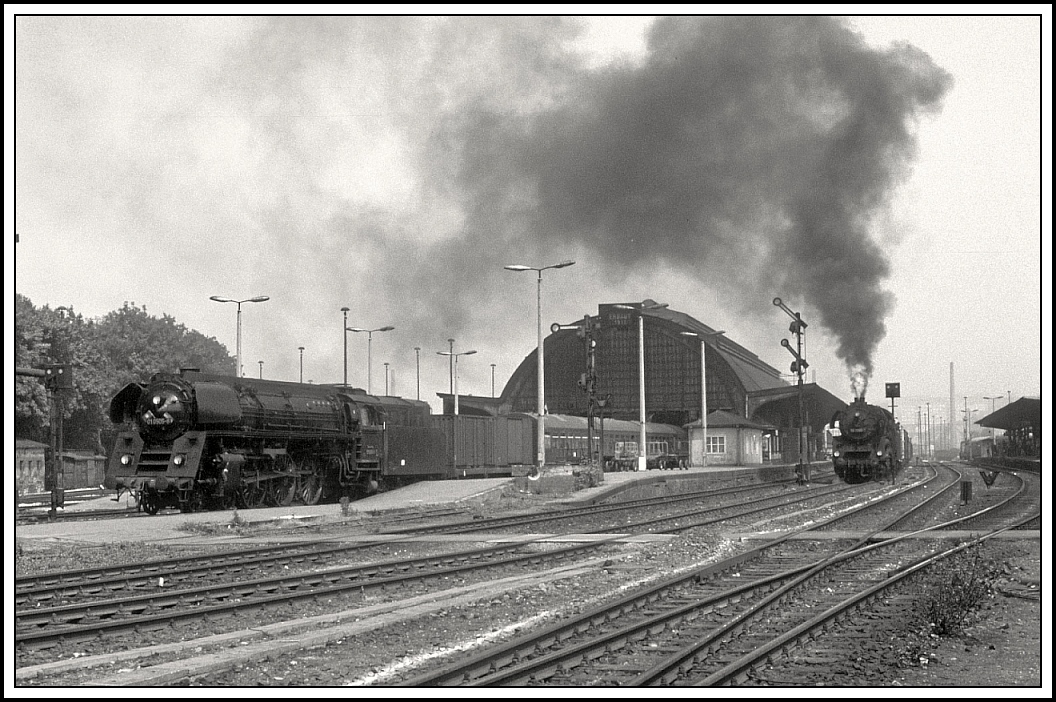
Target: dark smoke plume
[753, 152]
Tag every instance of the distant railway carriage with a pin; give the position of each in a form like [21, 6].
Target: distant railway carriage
[616, 441]
[977, 447]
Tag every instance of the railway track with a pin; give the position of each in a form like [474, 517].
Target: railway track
[713, 625]
[781, 563]
[43, 627]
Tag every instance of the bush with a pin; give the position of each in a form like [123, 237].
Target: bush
[959, 585]
[951, 591]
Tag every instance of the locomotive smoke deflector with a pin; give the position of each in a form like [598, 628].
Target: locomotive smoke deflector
[123, 406]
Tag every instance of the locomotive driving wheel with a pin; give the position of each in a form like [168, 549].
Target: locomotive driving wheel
[280, 492]
[311, 485]
[253, 495]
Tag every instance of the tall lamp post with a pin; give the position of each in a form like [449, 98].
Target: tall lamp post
[927, 428]
[451, 367]
[454, 426]
[540, 448]
[238, 332]
[260, 374]
[642, 451]
[703, 393]
[992, 410]
[386, 379]
[301, 349]
[344, 332]
[493, 381]
[454, 357]
[418, 372]
[370, 336]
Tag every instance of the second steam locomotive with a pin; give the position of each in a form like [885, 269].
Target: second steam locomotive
[868, 444]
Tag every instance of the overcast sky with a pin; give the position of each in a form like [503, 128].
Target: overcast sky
[882, 175]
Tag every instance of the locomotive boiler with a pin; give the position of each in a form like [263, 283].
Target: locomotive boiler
[867, 443]
[198, 441]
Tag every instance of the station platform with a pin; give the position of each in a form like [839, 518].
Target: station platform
[555, 487]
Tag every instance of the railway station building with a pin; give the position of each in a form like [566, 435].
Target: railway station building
[592, 366]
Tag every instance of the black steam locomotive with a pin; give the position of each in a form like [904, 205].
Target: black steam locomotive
[198, 441]
[868, 444]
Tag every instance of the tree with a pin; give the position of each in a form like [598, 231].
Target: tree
[124, 346]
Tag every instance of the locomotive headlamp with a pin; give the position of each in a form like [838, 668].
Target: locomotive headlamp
[126, 459]
[157, 399]
[178, 459]
[836, 453]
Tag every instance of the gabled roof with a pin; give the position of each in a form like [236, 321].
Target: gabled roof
[721, 419]
[825, 402]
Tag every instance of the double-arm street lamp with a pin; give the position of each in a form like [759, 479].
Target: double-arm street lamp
[540, 450]
[454, 382]
[640, 309]
[238, 332]
[418, 372]
[370, 336]
[454, 357]
[992, 409]
[703, 392]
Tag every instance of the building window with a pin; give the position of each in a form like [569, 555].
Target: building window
[716, 444]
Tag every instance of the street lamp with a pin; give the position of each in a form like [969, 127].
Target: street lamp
[927, 428]
[238, 337]
[992, 409]
[386, 379]
[642, 455]
[301, 349]
[451, 367]
[370, 336]
[493, 381]
[540, 449]
[703, 393]
[454, 358]
[454, 423]
[344, 332]
[418, 371]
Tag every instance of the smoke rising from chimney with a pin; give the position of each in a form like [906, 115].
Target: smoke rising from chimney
[752, 152]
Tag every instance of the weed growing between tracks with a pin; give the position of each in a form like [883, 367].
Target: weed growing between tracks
[951, 592]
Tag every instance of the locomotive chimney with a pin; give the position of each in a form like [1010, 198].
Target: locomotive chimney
[185, 371]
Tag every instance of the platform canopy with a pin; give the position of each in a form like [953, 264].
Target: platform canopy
[1024, 412]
